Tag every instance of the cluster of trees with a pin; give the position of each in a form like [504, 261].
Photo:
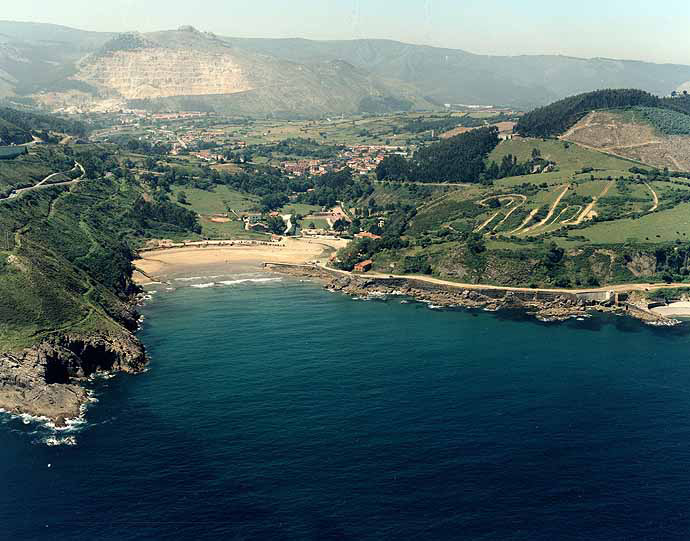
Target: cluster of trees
[679, 103]
[383, 104]
[556, 118]
[332, 187]
[460, 158]
[273, 201]
[666, 121]
[276, 224]
[298, 146]
[18, 126]
[391, 239]
[96, 160]
[144, 147]
[149, 214]
[510, 167]
[422, 124]
[656, 174]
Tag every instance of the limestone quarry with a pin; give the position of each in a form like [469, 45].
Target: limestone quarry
[162, 72]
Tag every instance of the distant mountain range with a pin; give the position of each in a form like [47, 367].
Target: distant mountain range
[61, 68]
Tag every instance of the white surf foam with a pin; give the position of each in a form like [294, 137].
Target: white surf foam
[249, 280]
[54, 441]
[191, 279]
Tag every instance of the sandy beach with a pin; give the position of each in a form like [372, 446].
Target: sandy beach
[160, 264]
[675, 309]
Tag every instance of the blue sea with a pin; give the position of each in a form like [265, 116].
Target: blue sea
[277, 410]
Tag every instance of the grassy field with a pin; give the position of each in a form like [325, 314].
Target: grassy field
[217, 201]
[318, 223]
[569, 160]
[667, 225]
[229, 230]
[299, 208]
[72, 262]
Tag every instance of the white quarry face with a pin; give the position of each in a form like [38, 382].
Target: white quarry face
[163, 72]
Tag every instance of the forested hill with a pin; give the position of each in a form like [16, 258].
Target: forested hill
[463, 158]
[460, 158]
[558, 117]
[19, 127]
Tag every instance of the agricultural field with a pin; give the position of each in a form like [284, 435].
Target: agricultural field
[350, 131]
[388, 129]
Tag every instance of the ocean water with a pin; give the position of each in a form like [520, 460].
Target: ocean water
[277, 410]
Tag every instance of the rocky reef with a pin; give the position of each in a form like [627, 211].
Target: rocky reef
[47, 380]
[543, 305]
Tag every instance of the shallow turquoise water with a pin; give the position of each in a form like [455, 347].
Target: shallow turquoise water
[276, 410]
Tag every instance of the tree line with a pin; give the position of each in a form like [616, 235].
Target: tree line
[16, 126]
[461, 158]
[561, 115]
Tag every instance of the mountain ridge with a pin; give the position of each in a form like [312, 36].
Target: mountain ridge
[77, 75]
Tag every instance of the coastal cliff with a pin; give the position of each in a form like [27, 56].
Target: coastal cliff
[47, 380]
[68, 300]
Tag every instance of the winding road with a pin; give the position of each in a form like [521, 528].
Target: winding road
[655, 196]
[45, 183]
[552, 210]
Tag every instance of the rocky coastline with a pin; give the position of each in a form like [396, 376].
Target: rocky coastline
[544, 306]
[47, 380]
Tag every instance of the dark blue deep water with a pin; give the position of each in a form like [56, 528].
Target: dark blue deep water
[281, 411]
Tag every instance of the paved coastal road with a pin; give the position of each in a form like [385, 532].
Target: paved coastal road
[45, 183]
[622, 288]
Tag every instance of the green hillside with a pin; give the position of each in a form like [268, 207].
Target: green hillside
[667, 114]
[594, 220]
[66, 252]
[20, 127]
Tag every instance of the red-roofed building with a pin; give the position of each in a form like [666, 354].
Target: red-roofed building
[367, 235]
[364, 266]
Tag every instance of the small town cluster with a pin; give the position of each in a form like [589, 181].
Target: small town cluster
[361, 159]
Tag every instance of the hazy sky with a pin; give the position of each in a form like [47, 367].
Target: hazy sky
[633, 29]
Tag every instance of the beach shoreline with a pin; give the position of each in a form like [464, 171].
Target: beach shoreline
[163, 263]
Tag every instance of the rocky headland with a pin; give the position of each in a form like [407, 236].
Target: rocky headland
[47, 380]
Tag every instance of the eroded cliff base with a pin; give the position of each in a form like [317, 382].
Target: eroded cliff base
[48, 379]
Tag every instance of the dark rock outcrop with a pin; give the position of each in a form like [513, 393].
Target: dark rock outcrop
[46, 380]
[544, 305]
